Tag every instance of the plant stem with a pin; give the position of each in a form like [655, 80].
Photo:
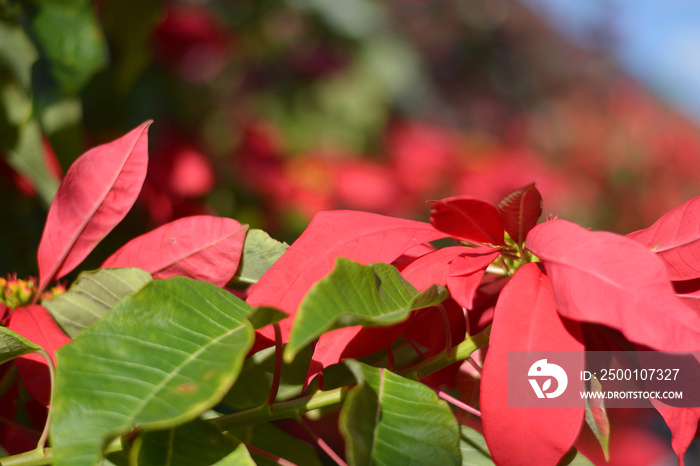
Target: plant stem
[44, 457]
[52, 377]
[282, 410]
[322, 443]
[496, 270]
[443, 359]
[277, 374]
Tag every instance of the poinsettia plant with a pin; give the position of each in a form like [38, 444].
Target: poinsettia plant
[369, 340]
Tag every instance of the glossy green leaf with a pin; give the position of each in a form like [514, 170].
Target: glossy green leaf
[70, 40]
[164, 355]
[354, 294]
[259, 253]
[92, 296]
[13, 345]
[197, 443]
[276, 441]
[387, 419]
[473, 447]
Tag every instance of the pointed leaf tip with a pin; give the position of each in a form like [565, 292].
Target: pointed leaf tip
[96, 194]
[520, 211]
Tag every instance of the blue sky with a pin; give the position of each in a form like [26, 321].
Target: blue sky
[657, 41]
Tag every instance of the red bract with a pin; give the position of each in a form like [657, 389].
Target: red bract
[612, 280]
[526, 319]
[96, 194]
[359, 236]
[520, 211]
[35, 324]
[675, 238]
[200, 247]
[467, 219]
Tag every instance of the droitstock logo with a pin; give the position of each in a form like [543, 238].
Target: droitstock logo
[546, 372]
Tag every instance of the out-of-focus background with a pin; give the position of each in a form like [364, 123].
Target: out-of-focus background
[268, 111]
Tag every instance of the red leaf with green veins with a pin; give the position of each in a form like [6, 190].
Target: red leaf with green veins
[96, 194]
[360, 236]
[520, 211]
[200, 247]
[34, 323]
[612, 280]
[468, 219]
[526, 319]
[675, 238]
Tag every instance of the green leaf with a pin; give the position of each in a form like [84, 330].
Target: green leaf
[164, 355]
[473, 447]
[17, 53]
[597, 417]
[387, 419]
[197, 443]
[20, 137]
[354, 294]
[259, 253]
[93, 295]
[70, 40]
[273, 440]
[25, 155]
[13, 345]
[264, 316]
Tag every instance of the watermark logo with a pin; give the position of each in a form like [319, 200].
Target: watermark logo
[551, 371]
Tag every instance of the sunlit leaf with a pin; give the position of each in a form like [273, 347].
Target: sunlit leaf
[526, 319]
[473, 447]
[356, 294]
[387, 419]
[96, 194]
[259, 253]
[612, 280]
[201, 247]
[675, 238]
[162, 356]
[92, 296]
[359, 236]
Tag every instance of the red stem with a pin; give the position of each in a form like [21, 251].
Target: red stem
[322, 444]
[277, 374]
[390, 358]
[458, 403]
[277, 459]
